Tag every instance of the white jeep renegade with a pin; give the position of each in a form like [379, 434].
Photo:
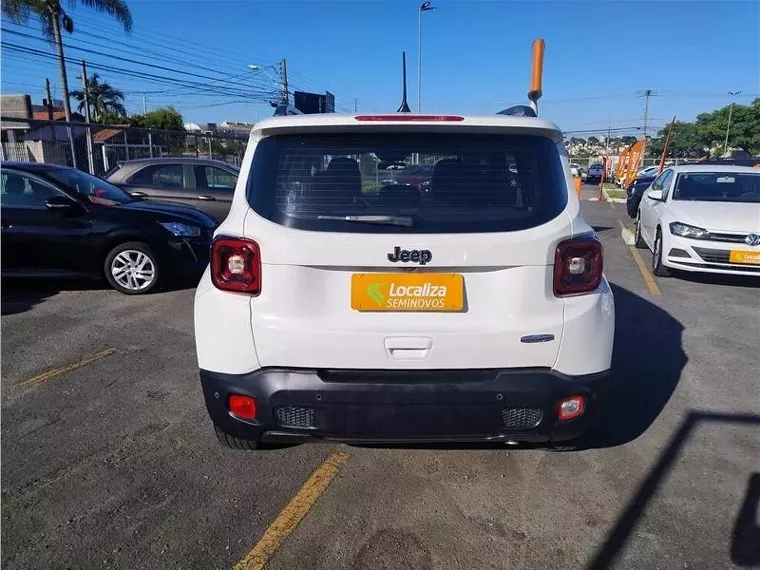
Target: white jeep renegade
[347, 301]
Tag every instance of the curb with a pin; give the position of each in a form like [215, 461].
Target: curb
[627, 236]
[615, 200]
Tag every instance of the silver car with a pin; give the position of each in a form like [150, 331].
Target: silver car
[203, 183]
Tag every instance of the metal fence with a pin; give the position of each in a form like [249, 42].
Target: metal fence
[585, 162]
[97, 148]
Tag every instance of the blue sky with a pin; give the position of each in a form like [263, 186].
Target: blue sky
[476, 55]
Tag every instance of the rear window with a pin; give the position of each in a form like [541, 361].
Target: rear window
[350, 183]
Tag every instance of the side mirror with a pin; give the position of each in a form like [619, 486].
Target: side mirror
[655, 195]
[61, 203]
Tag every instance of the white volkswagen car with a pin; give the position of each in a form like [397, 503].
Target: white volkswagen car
[702, 218]
[336, 307]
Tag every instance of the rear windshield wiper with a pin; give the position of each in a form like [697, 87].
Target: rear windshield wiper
[405, 221]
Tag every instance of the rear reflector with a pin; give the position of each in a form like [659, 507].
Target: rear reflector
[577, 267]
[243, 407]
[236, 265]
[570, 408]
[404, 117]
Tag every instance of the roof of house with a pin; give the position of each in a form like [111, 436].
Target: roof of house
[43, 115]
[105, 134]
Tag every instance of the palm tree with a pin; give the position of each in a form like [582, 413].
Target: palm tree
[52, 16]
[103, 98]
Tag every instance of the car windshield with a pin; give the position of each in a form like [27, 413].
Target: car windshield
[476, 183]
[94, 189]
[718, 187]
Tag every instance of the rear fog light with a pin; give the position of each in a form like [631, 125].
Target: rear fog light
[244, 407]
[570, 408]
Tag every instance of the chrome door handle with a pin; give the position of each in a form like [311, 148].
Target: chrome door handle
[206, 198]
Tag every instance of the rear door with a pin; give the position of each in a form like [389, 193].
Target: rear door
[362, 275]
[166, 181]
[215, 186]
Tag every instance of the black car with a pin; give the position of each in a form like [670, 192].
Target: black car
[635, 191]
[61, 222]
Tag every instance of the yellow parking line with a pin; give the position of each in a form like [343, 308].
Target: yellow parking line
[651, 284]
[45, 376]
[295, 511]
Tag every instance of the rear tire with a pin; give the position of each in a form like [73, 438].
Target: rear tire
[657, 267]
[227, 440]
[639, 240]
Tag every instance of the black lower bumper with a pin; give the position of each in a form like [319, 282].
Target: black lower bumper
[404, 406]
[185, 258]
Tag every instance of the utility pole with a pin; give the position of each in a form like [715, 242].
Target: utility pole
[284, 84]
[49, 106]
[356, 105]
[85, 90]
[609, 131]
[424, 7]
[49, 100]
[730, 113]
[647, 95]
[145, 105]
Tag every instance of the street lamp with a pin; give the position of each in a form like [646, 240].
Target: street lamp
[424, 7]
[730, 112]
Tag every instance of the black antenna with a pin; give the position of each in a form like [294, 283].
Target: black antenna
[404, 105]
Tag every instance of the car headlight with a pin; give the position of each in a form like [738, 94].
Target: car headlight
[179, 229]
[687, 231]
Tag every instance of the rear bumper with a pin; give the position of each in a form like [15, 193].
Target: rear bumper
[404, 406]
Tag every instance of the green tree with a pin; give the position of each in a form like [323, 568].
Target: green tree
[106, 101]
[685, 142]
[53, 17]
[744, 131]
[629, 140]
[167, 118]
[593, 140]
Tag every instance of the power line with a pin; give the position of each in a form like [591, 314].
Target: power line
[171, 46]
[135, 73]
[119, 58]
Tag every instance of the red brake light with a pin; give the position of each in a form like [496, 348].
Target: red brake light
[236, 265]
[577, 267]
[406, 117]
[243, 407]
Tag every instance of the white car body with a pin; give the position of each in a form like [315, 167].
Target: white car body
[727, 226]
[648, 171]
[575, 169]
[303, 319]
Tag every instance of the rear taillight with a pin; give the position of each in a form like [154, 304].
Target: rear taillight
[577, 267]
[236, 265]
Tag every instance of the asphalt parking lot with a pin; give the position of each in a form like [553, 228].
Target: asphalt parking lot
[109, 459]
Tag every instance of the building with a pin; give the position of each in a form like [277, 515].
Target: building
[40, 133]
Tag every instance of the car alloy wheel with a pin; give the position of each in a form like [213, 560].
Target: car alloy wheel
[638, 239]
[657, 267]
[133, 270]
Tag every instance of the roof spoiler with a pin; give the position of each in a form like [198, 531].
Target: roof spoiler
[519, 111]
